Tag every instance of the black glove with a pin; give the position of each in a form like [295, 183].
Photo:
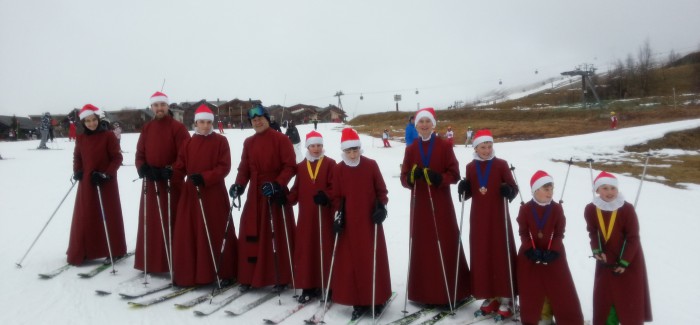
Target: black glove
[144, 171]
[508, 192]
[464, 190]
[549, 256]
[78, 175]
[339, 220]
[98, 178]
[280, 197]
[321, 198]
[269, 189]
[415, 174]
[165, 173]
[434, 177]
[534, 255]
[379, 213]
[197, 180]
[236, 191]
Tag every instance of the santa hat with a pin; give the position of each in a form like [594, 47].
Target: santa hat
[314, 137]
[88, 110]
[539, 179]
[428, 112]
[159, 97]
[482, 136]
[203, 113]
[349, 139]
[604, 178]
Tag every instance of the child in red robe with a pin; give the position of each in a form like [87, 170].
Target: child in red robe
[621, 288]
[489, 183]
[197, 254]
[545, 283]
[314, 236]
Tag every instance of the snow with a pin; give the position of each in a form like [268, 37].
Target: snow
[35, 181]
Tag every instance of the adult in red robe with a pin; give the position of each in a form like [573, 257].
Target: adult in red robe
[157, 150]
[71, 130]
[537, 281]
[268, 157]
[490, 274]
[620, 279]
[426, 282]
[313, 242]
[97, 150]
[358, 182]
[207, 154]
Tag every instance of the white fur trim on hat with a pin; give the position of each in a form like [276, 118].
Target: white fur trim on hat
[88, 110]
[350, 144]
[204, 116]
[426, 112]
[314, 140]
[482, 136]
[605, 178]
[159, 97]
[540, 179]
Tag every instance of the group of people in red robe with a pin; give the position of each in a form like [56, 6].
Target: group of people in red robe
[186, 227]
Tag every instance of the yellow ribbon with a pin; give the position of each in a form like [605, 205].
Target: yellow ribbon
[313, 175]
[606, 233]
[427, 179]
[413, 171]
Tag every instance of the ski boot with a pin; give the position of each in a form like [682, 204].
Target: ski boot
[504, 312]
[487, 307]
[307, 295]
[358, 311]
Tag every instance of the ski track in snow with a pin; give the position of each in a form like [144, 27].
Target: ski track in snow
[34, 182]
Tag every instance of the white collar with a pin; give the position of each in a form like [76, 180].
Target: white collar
[542, 204]
[493, 155]
[615, 204]
[351, 163]
[311, 158]
[203, 134]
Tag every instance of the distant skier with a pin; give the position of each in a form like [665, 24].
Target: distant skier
[613, 121]
[293, 135]
[71, 130]
[221, 127]
[450, 136]
[410, 133]
[44, 130]
[469, 136]
[385, 138]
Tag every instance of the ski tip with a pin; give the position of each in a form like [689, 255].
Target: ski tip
[18, 265]
[102, 293]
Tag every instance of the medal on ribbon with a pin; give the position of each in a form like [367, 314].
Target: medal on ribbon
[483, 177]
[540, 221]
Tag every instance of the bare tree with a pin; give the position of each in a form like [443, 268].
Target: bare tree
[645, 64]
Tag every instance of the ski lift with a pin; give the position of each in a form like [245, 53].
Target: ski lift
[500, 82]
[362, 97]
[536, 72]
[416, 91]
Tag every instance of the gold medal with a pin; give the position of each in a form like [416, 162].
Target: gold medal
[482, 190]
[539, 235]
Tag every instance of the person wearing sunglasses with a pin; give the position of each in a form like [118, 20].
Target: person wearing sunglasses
[268, 164]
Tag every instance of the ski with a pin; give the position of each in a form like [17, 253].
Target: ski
[320, 312]
[53, 273]
[145, 291]
[500, 320]
[369, 310]
[441, 315]
[257, 302]
[131, 282]
[204, 297]
[479, 319]
[285, 314]
[103, 266]
[159, 299]
[410, 318]
[215, 305]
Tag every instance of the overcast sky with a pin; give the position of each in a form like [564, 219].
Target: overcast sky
[56, 54]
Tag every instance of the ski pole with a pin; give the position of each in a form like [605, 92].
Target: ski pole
[206, 229]
[549, 245]
[510, 266]
[459, 247]
[330, 276]
[170, 225]
[570, 162]
[320, 245]
[162, 228]
[145, 232]
[641, 181]
[590, 169]
[289, 249]
[442, 261]
[274, 249]
[374, 274]
[532, 241]
[104, 222]
[512, 170]
[223, 245]
[19, 264]
[410, 246]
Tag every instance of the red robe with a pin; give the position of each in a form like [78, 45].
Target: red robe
[209, 156]
[96, 152]
[629, 291]
[425, 278]
[71, 131]
[307, 247]
[158, 146]
[267, 157]
[487, 242]
[361, 187]
[553, 281]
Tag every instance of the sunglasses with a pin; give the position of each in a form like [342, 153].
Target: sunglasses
[255, 112]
